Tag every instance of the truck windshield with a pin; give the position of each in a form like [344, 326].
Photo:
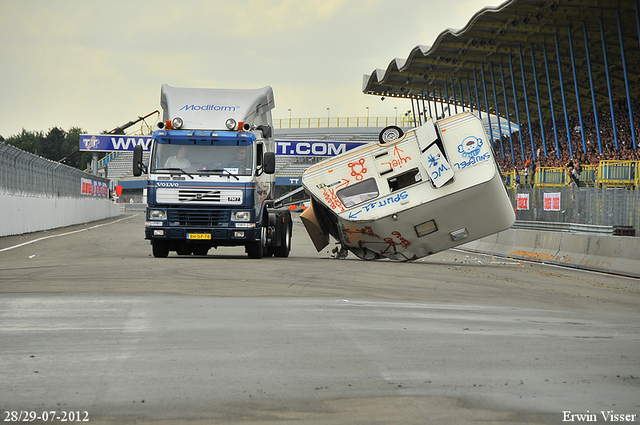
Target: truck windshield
[202, 159]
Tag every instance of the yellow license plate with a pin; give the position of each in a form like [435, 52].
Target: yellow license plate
[199, 236]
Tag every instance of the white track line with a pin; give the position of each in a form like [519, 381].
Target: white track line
[65, 234]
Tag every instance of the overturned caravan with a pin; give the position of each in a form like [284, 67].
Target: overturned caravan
[411, 195]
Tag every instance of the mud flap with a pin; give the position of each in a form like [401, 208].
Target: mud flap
[319, 238]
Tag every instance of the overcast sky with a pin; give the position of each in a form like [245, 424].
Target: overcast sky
[99, 64]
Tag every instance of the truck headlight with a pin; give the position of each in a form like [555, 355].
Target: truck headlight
[241, 216]
[157, 215]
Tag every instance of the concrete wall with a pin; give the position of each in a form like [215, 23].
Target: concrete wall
[611, 254]
[23, 214]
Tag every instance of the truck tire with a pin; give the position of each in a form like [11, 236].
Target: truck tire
[256, 249]
[283, 250]
[160, 249]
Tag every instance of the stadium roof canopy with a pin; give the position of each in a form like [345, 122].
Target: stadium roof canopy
[499, 42]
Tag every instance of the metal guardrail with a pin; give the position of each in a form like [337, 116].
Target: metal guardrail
[25, 174]
[618, 173]
[593, 206]
[550, 177]
[542, 226]
[606, 173]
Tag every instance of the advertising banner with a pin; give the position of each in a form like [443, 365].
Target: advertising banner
[112, 143]
[93, 188]
[523, 201]
[314, 147]
[552, 201]
[116, 143]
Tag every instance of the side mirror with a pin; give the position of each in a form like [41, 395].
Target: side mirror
[138, 166]
[269, 163]
[266, 131]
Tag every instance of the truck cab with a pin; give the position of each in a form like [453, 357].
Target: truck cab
[211, 174]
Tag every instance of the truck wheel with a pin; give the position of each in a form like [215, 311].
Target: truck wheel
[256, 249]
[160, 250]
[390, 133]
[285, 247]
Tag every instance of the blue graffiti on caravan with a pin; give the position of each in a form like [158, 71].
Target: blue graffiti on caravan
[381, 203]
[470, 149]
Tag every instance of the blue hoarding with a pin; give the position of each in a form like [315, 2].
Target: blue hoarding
[112, 143]
[116, 143]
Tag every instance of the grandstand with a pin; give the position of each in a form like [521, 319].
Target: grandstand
[565, 72]
[119, 167]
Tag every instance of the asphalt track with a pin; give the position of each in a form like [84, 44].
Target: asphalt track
[91, 322]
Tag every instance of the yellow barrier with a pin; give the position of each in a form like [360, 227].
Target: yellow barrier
[588, 174]
[617, 173]
[510, 179]
[550, 177]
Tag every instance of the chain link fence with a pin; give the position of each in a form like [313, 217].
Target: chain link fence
[597, 206]
[25, 174]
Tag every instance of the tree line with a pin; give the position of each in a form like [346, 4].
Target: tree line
[57, 145]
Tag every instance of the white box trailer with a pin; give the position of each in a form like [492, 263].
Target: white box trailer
[434, 188]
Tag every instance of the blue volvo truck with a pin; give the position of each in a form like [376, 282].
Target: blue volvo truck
[211, 174]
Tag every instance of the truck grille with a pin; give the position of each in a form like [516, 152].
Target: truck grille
[186, 195]
[199, 195]
[199, 217]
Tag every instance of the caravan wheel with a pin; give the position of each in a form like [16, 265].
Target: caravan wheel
[389, 134]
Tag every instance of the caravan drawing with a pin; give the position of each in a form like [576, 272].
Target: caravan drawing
[411, 195]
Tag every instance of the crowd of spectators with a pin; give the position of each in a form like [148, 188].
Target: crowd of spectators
[591, 156]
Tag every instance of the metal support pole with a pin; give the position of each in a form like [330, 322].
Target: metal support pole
[413, 112]
[526, 102]
[553, 109]
[469, 94]
[475, 80]
[593, 92]
[461, 95]
[506, 107]
[453, 93]
[626, 78]
[94, 164]
[606, 69]
[535, 82]
[495, 101]
[575, 83]
[564, 99]
[486, 102]
[515, 104]
[446, 91]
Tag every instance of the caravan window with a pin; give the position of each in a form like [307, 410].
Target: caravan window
[405, 179]
[358, 193]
